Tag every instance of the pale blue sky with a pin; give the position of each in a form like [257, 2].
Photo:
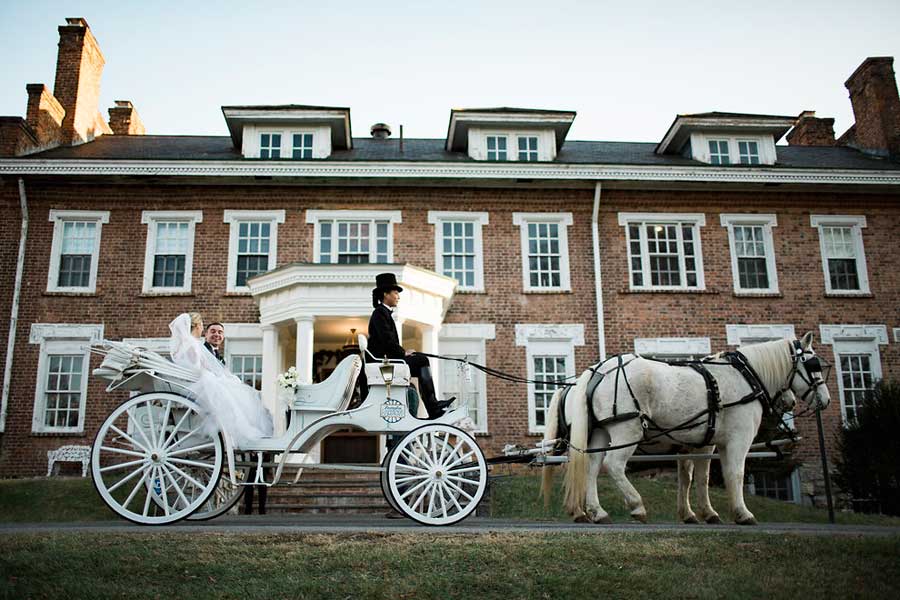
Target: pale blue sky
[627, 67]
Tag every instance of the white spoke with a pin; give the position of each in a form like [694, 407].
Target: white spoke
[149, 490]
[124, 451]
[466, 470]
[460, 490]
[165, 419]
[410, 469]
[176, 429]
[431, 500]
[181, 440]
[413, 489]
[410, 478]
[188, 477]
[163, 489]
[433, 446]
[421, 497]
[152, 427]
[192, 463]
[424, 458]
[133, 441]
[440, 491]
[137, 486]
[453, 498]
[445, 443]
[461, 458]
[177, 487]
[191, 449]
[138, 428]
[123, 465]
[113, 488]
[410, 457]
[463, 480]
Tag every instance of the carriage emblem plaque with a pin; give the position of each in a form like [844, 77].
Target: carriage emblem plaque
[392, 410]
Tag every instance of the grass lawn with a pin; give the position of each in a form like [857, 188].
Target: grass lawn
[613, 564]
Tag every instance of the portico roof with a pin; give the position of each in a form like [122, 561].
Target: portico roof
[309, 290]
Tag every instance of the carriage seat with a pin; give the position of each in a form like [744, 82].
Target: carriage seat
[333, 394]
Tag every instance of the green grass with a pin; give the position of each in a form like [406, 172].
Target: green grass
[516, 497]
[610, 564]
[60, 499]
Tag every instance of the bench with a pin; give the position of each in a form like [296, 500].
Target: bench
[80, 454]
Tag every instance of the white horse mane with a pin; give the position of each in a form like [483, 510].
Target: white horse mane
[771, 360]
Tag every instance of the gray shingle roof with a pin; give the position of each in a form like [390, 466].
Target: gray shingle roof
[159, 147]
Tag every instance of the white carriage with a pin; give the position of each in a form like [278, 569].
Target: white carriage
[158, 459]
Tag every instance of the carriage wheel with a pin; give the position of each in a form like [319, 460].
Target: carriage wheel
[437, 475]
[225, 496]
[385, 488]
[152, 461]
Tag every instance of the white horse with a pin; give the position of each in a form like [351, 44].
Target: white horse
[650, 395]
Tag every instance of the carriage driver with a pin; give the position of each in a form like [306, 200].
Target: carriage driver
[385, 343]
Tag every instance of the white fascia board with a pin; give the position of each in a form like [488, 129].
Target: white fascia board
[444, 170]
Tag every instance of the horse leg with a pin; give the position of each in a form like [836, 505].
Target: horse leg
[594, 513]
[616, 461]
[685, 474]
[733, 457]
[701, 478]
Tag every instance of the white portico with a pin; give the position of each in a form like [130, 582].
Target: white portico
[303, 306]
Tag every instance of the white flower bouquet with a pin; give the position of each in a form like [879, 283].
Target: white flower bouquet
[288, 382]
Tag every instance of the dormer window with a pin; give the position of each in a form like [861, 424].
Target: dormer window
[291, 131]
[749, 152]
[528, 148]
[508, 134]
[270, 145]
[718, 152]
[496, 147]
[725, 138]
[302, 145]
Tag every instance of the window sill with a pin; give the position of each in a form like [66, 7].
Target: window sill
[547, 291]
[849, 295]
[66, 293]
[236, 293]
[57, 434]
[156, 294]
[758, 295]
[535, 434]
[474, 292]
[668, 291]
[482, 434]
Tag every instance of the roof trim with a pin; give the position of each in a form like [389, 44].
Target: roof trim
[462, 118]
[338, 117]
[683, 125]
[443, 170]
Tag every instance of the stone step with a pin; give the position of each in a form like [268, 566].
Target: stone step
[328, 491]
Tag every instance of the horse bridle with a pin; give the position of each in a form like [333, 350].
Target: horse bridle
[812, 365]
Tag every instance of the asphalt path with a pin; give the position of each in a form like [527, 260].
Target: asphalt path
[356, 524]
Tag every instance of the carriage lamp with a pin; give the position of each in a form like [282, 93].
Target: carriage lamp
[387, 372]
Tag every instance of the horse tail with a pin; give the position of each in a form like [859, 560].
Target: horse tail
[550, 433]
[575, 482]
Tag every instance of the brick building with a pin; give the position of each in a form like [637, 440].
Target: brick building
[518, 248]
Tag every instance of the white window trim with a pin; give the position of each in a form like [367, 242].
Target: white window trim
[673, 346]
[158, 345]
[477, 143]
[697, 220]
[59, 217]
[479, 219]
[234, 218]
[150, 218]
[314, 217]
[252, 132]
[477, 334]
[61, 338]
[564, 220]
[857, 223]
[271, 132]
[242, 339]
[539, 339]
[854, 339]
[290, 143]
[897, 334]
[765, 144]
[767, 221]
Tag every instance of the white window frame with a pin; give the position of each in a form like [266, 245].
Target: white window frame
[536, 151]
[696, 220]
[478, 219]
[854, 339]
[857, 223]
[767, 222]
[234, 218]
[487, 151]
[315, 217]
[151, 218]
[564, 220]
[758, 155]
[470, 340]
[270, 148]
[242, 339]
[544, 340]
[546, 142]
[59, 218]
[765, 147]
[61, 338]
[312, 146]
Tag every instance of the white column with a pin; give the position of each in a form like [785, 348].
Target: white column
[304, 358]
[271, 367]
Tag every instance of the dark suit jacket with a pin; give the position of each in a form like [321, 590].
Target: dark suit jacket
[218, 356]
[383, 338]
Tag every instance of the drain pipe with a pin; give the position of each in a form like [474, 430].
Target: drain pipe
[14, 316]
[598, 282]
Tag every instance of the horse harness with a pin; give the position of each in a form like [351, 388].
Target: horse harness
[735, 359]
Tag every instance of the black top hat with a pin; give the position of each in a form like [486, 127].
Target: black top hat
[386, 282]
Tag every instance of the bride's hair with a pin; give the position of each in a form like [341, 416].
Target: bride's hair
[196, 319]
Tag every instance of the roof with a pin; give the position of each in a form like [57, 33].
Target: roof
[199, 148]
[683, 125]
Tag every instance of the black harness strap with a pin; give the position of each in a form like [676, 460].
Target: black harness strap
[758, 391]
[712, 402]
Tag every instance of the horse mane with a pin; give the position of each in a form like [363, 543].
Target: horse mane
[771, 360]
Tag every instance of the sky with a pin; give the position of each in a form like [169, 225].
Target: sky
[627, 68]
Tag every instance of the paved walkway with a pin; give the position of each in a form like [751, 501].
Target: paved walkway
[349, 524]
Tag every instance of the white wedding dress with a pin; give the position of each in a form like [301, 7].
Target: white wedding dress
[238, 407]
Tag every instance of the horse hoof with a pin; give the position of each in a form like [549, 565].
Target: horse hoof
[747, 521]
[642, 517]
[713, 520]
[582, 518]
[691, 521]
[604, 520]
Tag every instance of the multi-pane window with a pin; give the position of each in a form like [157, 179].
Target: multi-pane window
[496, 147]
[302, 145]
[748, 152]
[458, 251]
[170, 257]
[857, 380]
[770, 485]
[75, 250]
[718, 152]
[664, 254]
[843, 259]
[253, 250]
[550, 369]
[248, 368]
[461, 382]
[750, 251]
[528, 148]
[78, 239]
[545, 250]
[62, 392]
[270, 145]
[353, 242]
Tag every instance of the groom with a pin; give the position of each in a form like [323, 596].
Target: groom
[215, 335]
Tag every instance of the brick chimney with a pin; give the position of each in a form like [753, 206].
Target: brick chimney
[810, 130]
[79, 65]
[124, 119]
[44, 114]
[876, 108]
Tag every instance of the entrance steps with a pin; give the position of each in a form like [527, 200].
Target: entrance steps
[327, 491]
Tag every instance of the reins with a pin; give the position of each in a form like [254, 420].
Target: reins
[500, 374]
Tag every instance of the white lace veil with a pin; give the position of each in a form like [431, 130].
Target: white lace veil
[188, 351]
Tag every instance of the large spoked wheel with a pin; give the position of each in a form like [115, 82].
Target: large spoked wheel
[385, 487]
[437, 475]
[225, 496]
[153, 462]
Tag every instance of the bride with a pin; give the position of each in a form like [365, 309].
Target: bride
[237, 406]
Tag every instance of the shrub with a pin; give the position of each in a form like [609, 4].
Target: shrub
[868, 461]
